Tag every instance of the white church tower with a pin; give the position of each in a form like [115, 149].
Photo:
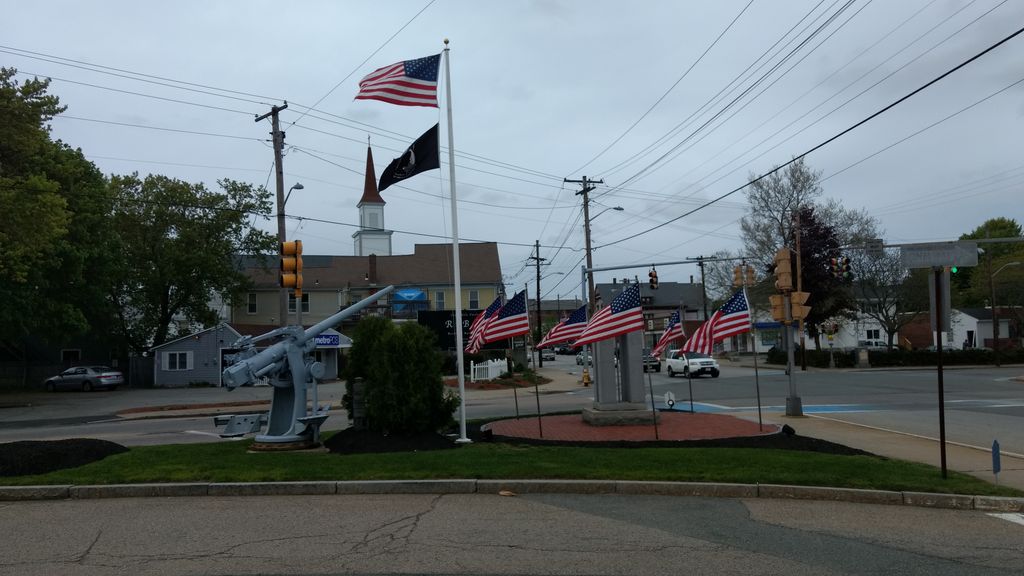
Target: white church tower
[371, 238]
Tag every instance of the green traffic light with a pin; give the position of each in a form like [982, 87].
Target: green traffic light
[954, 269]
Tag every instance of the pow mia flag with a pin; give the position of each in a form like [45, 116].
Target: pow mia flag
[420, 157]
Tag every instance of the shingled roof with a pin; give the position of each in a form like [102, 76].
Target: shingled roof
[429, 264]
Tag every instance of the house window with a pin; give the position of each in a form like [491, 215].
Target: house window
[439, 300]
[305, 302]
[474, 299]
[177, 361]
[70, 357]
[252, 303]
[874, 334]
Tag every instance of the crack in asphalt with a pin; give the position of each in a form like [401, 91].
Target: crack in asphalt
[80, 559]
[382, 537]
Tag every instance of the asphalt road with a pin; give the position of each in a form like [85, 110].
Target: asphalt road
[487, 534]
[982, 404]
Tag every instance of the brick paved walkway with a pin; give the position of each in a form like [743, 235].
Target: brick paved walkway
[673, 426]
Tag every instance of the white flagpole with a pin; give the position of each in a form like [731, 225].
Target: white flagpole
[455, 253]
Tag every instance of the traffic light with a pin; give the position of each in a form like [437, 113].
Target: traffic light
[783, 270]
[737, 276]
[750, 276]
[778, 307]
[954, 269]
[653, 275]
[291, 266]
[844, 268]
[834, 267]
[796, 305]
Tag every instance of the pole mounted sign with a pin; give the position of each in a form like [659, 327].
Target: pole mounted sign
[940, 258]
[939, 254]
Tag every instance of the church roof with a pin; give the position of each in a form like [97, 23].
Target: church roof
[370, 193]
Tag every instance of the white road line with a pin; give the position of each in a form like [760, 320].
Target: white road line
[214, 434]
[1009, 516]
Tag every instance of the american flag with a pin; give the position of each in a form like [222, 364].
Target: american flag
[567, 329]
[729, 320]
[479, 323]
[674, 331]
[511, 320]
[624, 315]
[408, 83]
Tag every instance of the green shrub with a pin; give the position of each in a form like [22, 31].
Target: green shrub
[405, 393]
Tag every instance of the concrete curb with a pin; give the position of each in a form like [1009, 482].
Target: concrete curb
[517, 486]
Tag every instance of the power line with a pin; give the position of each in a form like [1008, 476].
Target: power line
[651, 166]
[801, 97]
[227, 93]
[837, 108]
[159, 128]
[707, 133]
[403, 187]
[674, 130]
[372, 54]
[667, 92]
[928, 127]
[833, 138]
[143, 95]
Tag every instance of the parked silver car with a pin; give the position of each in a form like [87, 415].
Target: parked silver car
[85, 378]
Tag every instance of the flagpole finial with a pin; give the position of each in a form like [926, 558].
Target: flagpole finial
[446, 42]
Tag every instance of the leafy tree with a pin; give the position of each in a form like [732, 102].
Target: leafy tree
[825, 227]
[971, 286]
[405, 393]
[773, 201]
[178, 243]
[55, 231]
[830, 297]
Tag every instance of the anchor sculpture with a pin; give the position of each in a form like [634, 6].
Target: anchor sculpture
[292, 372]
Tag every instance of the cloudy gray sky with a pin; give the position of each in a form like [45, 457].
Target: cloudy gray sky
[540, 91]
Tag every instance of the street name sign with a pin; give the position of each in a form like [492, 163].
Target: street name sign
[939, 254]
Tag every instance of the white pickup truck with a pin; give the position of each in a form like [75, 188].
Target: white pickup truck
[690, 364]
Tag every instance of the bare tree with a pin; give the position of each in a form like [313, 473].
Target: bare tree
[773, 201]
[884, 288]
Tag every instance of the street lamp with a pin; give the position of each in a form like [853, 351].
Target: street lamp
[297, 186]
[995, 314]
[590, 262]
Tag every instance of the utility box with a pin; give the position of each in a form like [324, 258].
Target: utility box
[862, 358]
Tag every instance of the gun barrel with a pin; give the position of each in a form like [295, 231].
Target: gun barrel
[336, 319]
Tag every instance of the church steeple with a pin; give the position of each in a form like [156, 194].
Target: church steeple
[371, 238]
[370, 193]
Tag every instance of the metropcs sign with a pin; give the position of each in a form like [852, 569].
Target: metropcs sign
[333, 340]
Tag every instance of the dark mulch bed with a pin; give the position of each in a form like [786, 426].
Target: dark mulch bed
[40, 457]
[351, 441]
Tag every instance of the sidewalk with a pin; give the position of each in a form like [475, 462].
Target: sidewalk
[897, 445]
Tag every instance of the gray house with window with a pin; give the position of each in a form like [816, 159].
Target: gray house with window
[194, 359]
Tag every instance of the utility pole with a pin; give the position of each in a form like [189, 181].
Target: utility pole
[278, 137]
[703, 289]
[799, 288]
[586, 231]
[538, 259]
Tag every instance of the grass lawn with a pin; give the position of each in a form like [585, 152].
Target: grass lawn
[230, 462]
